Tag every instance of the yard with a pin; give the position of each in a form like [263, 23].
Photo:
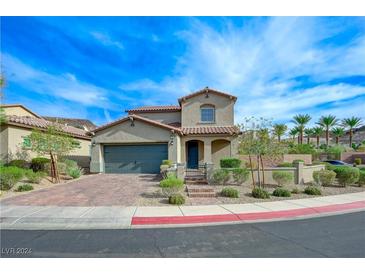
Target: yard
[134, 190]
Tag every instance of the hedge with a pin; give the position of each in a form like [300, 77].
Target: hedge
[230, 163]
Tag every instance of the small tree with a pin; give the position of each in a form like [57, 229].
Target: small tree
[327, 122]
[256, 141]
[351, 123]
[301, 120]
[53, 142]
[279, 130]
[317, 132]
[338, 132]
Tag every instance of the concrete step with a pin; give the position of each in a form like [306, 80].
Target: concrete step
[196, 182]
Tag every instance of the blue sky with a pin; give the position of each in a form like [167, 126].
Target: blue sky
[97, 67]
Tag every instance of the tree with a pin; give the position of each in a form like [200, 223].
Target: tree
[279, 130]
[327, 122]
[256, 141]
[351, 123]
[338, 132]
[53, 142]
[308, 132]
[317, 131]
[294, 132]
[301, 120]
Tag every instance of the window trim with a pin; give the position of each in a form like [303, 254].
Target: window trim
[207, 106]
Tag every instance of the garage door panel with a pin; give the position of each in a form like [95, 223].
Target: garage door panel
[144, 158]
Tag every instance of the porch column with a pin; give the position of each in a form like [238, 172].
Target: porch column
[207, 152]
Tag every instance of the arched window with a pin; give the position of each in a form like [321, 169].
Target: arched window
[207, 114]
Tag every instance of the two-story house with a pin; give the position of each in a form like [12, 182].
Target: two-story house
[199, 130]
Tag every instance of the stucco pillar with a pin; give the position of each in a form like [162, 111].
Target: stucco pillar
[180, 171]
[208, 152]
[299, 176]
[96, 164]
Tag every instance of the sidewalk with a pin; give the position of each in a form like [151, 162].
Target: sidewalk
[51, 217]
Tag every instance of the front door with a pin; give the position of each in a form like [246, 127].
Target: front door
[193, 154]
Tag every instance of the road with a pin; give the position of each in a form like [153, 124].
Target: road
[332, 236]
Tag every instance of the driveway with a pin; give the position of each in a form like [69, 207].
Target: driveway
[92, 190]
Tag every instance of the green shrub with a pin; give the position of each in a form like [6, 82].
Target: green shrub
[295, 190]
[230, 163]
[75, 172]
[357, 161]
[324, 177]
[25, 187]
[281, 192]
[167, 162]
[260, 193]
[35, 177]
[38, 164]
[69, 164]
[348, 175]
[302, 149]
[240, 175]
[361, 181]
[230, 192]
[312, 190]
[297, 161]
[176, 199]
[285, 164]
[18, 163]
[171, 182]
[221, 176]
[62, 168]
[282, 177]
[334, 152]
[9, 176]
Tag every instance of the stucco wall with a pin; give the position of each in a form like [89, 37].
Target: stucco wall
[224, 108]
[3, 141]
[220, 149]
[349, 157]
[124, 133]
[307, 158]
[14, 143]
[167, 117]
[16, 110]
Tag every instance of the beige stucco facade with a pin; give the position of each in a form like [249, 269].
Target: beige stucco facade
[190, 110]
[12, 138]
[18, 110]
[163, 117]
[211, 147]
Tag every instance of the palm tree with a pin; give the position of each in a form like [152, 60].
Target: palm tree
[351, 123]
[279, 130]
[317, 131]
[327, 122]
[338, 132]
[294, 132]
[301, 120]
[309, 133]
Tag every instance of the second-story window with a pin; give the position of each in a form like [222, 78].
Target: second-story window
[207, 114]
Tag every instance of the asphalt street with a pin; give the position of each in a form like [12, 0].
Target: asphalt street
[332, 236]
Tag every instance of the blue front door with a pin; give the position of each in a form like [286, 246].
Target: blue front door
[193, 155]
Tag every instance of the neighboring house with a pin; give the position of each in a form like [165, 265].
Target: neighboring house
[74, 122]
[197, 131]
[20, 123]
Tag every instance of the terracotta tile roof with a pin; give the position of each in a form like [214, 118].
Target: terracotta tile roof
[19, 105]
[74, 122]
[175, 124]
[155, 109]
[207, 90]
[140, 118]
[32, 122]
[231, 130]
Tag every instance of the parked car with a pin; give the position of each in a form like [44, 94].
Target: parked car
[337, 163]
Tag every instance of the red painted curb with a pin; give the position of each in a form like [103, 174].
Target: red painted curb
[246, 216]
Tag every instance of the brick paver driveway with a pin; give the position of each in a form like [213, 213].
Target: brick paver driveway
[93, 190]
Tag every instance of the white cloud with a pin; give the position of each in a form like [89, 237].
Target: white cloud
[106, 40]
[258, 62]
[65, 86]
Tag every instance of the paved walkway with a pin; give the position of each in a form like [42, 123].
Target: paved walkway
[109, 217]
[93, 190]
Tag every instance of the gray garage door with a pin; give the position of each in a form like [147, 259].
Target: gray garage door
[134, 158]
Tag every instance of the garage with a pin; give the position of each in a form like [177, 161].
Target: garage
[136, 158]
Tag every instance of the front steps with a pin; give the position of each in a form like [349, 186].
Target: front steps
[200, 191]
